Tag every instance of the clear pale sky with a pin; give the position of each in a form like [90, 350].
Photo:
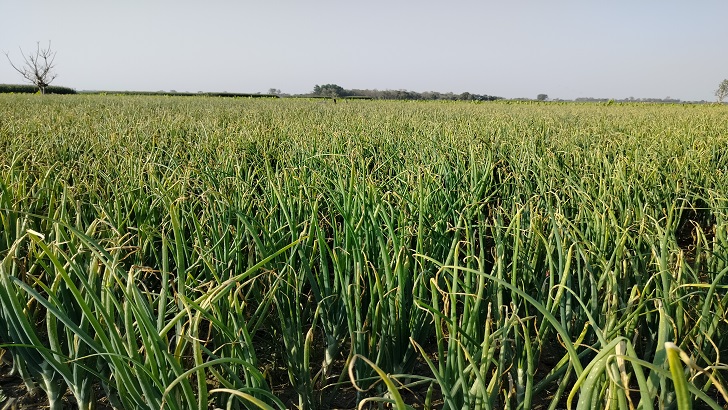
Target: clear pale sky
[566, 49]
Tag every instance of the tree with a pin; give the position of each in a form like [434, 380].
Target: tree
[542, 97]
[722, 91]
[37, 67]
[329, 90]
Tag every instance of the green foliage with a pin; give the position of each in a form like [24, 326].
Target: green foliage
[329, 90]
[333, 90]
[31, 89]
[182, 94]
[198, 253]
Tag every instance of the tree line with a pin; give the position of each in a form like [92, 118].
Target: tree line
[336, 91]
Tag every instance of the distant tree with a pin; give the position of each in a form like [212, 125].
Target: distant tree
[329, 90]
[334, 91]
[38, 67]
[722, 91]
[274, 91]
[542, 97]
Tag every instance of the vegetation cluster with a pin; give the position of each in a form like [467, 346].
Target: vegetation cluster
[32, 89]
[180, 253]
[666, 100]
[173, 93]
[333, 90]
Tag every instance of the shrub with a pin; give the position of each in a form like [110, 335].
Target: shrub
[31, 89]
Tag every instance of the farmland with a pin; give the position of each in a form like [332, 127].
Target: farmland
[198, 252]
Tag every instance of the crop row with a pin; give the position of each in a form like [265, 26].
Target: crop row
[190, 252]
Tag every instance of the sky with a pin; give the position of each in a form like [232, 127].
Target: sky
[513, 49]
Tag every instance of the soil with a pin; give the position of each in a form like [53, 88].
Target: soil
[14, 394]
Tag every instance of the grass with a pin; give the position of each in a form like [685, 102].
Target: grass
[196, 252]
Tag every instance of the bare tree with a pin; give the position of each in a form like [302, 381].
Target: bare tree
[37, 67]
[722, 91]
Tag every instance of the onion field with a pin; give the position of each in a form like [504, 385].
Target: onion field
[203, 253]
